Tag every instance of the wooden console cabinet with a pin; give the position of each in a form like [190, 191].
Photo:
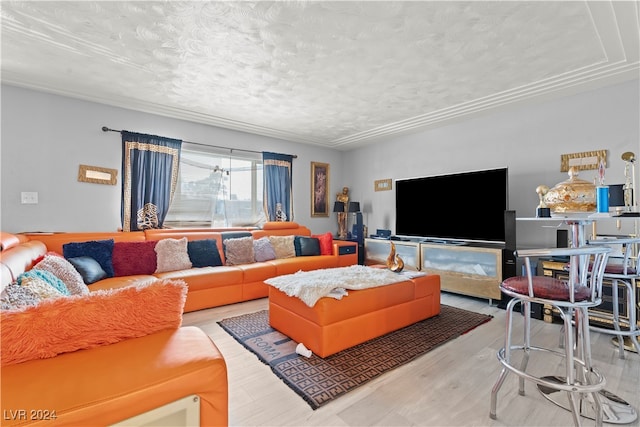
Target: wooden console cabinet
[377, 251]
[465, 269]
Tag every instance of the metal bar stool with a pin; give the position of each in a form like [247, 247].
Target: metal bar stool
[621, 270]
[572, 298]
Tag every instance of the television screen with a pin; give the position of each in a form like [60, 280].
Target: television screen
[467, 206]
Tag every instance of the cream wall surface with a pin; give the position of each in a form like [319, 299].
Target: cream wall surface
[45, 137]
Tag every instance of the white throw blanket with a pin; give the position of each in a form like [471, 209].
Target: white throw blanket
[310, 286]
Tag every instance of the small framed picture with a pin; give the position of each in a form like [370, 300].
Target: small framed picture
[97, 175]
[382, 185]
[583, 161]
[319, 189]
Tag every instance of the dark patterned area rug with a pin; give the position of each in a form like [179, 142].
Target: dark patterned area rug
[317, 380]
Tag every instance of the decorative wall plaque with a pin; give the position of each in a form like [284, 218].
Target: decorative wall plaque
[382, 185]
[582, 161]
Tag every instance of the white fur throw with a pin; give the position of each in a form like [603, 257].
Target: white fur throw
[310, 286]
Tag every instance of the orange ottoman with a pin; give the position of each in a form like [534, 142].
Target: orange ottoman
[333, 325]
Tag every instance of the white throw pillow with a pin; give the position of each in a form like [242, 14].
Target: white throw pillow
[172, 255]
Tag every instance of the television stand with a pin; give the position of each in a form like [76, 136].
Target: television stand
[464, 268]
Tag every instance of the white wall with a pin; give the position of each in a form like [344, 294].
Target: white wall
[529, 140]
[45, 137]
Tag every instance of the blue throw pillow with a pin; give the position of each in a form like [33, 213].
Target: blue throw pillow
[88, 268]
[99, 250]
[204, 253]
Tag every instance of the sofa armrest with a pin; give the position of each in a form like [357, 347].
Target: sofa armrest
[344, 247]
[346, 252]
[115, 382]
[18, 259]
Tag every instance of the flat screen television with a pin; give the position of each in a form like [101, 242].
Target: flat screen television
[456, 207]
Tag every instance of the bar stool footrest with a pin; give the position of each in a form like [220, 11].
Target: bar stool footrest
[614, 409]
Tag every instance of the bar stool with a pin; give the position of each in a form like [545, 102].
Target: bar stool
[621, 270]
[572, 298]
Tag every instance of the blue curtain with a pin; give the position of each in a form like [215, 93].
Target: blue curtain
[150, 174]
[278, 196]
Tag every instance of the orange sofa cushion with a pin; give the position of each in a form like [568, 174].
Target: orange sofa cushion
[67, 324]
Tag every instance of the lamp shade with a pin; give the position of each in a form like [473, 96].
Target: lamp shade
[354, 206]
[338, 207]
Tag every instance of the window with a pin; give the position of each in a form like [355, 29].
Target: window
[217, 189]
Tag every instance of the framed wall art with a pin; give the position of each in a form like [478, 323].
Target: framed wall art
[382, 185]
[319, 189]
[582, 161]
[97, 175]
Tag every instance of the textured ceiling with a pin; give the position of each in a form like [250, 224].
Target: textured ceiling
[337, 74]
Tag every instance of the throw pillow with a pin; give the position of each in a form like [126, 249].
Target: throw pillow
[44, 276]
[239, 251]
[326, 243]
[65, 271]
[283, 246]
[231, 235]
[131, 258]
[306, 246]
[89, 269]
[172, 255]
[204, 253]
[98, 318]
[263, 250]
[100, 250]
[14, 296]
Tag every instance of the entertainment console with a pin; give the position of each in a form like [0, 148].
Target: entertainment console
[469, 269]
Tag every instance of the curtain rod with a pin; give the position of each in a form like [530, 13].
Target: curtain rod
[106, 129]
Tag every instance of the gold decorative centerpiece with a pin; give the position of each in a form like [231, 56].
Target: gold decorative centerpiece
[394, 262]
[572, 196]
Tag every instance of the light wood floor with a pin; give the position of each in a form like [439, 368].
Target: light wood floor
[449, 386]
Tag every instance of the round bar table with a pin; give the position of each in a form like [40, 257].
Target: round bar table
[615, 409]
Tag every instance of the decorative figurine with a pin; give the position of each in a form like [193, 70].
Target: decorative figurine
[602, 190]
[542, 211]
[394, 262]
[280, 215]
[629, 174]
[342, 216]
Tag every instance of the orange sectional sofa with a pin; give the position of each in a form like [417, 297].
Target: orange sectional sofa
[332, 325]
[155, 371]
[150, 375]
[208, 286]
